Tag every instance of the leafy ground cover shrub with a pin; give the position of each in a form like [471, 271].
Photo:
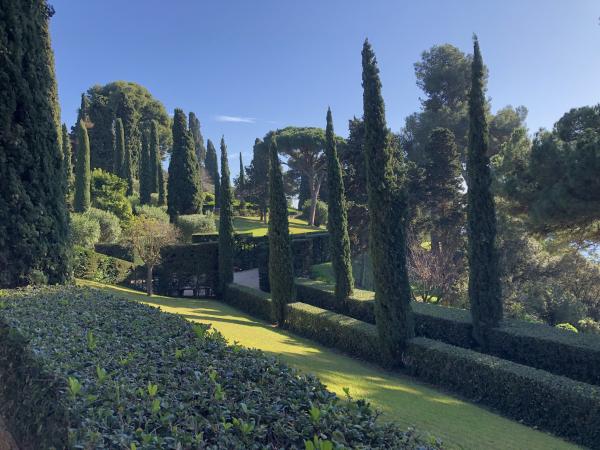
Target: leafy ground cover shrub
[90, 265]
[152, 212]
[557, 404]
[167, 384]
[110, 226]
[195, 223]
[85, 230]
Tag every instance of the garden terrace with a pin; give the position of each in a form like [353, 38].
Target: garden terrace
[81, 368]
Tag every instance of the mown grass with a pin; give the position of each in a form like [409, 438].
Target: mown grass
[258, 228]
[402, 399]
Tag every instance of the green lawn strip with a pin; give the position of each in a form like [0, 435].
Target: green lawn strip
[258, 228]
[402, 399]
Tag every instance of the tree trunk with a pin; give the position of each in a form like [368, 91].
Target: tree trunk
[149, 280]
[315, 187]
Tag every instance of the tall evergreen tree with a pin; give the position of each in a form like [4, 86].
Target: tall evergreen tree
[67, 160]
[34, 226]
[281, 270]
[128, 164]
[212, 167]
[83, 179]
[258, 177]
[162, 193]
[119, 153]
[130, 117]
[338, 218]
[185, 189]
[226, 243]
[155, 159]
[242, 178]
[145, 170]
[199, 148]
[484, 282]
[387, 209]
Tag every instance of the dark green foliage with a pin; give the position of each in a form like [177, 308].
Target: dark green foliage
[89, 265]
[258, 177]
[281, 270]
[212, 167]
[185, 189]
[188, 266]
[194, 125]
[387, 209]
[337, 223]
[484, 281]
[562, 406]
[108, 193]
[119, 150]
[251, 301]
[81, 200]
[130, 117]
[162, 187]
[201, 383]
[145, 171]
[226, 243]
[67, 155]
[118, 251]
[155, 159]
[34, 226]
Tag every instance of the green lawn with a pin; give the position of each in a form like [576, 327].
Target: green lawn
[258, 228]
[402, 399]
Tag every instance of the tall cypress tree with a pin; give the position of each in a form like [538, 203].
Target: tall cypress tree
[226, 243]
[484, 283]
[185, 189]
[34, 227]
[162, 193]
[242, 179]
[67, 160]
[145, 171]
[281, 271]
[81, 201]
[119, 154]
[199, 148]
[338, 218]
[387, 209]
[128, 168]
[212, 168]
[128, 113]
[155, 160]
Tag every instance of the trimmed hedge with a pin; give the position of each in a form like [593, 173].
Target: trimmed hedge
[557, 404]
[115, 250]
[89, 265]
[64, 383]
[251, 301]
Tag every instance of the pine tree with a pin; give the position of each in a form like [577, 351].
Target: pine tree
[34, 227]
[155, 159]
[212, 168]
[226, 243]
[145, 171]
[281, 271]
[484, 283]
[67, 160]
[119, 154]
[387, 209]
[81, 201]
[185, 189]
[199, 148]
[338, 218]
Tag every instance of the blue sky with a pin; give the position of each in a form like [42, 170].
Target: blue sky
[248, 66]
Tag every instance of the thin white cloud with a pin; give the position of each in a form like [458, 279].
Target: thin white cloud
[235, 119]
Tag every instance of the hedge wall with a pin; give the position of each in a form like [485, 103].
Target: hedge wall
[89, 265]
[252, 301]
[115, 250]
[554, 403]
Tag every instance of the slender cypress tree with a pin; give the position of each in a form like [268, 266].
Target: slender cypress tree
[162, 194]
[67, 160]
[338, 218]
[119, 154]
[185, 189]
[226, 243]
[155, 160]
[81, 201]
[484, 284]
[34, 223]
[387, 209]
[128, 168]
[242, 179]
[145, 171]
[281, 270]
[199, 148]
[213, 169]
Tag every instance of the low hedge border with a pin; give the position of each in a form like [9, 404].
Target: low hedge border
[90, 265]
[251, 301]
[538, 398]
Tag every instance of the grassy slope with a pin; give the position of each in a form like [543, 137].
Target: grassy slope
[258, 228]
[460, 424]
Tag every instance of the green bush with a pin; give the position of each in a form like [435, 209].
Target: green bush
[567, 327]
[251, 301]
[153, 212]
[588, 326]
[321, 213]
[108, 193]
[110, 227]
[82, 369]
[85, 230]
[537, 398]
[195, 223]
[89, 265]
[116, 251]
